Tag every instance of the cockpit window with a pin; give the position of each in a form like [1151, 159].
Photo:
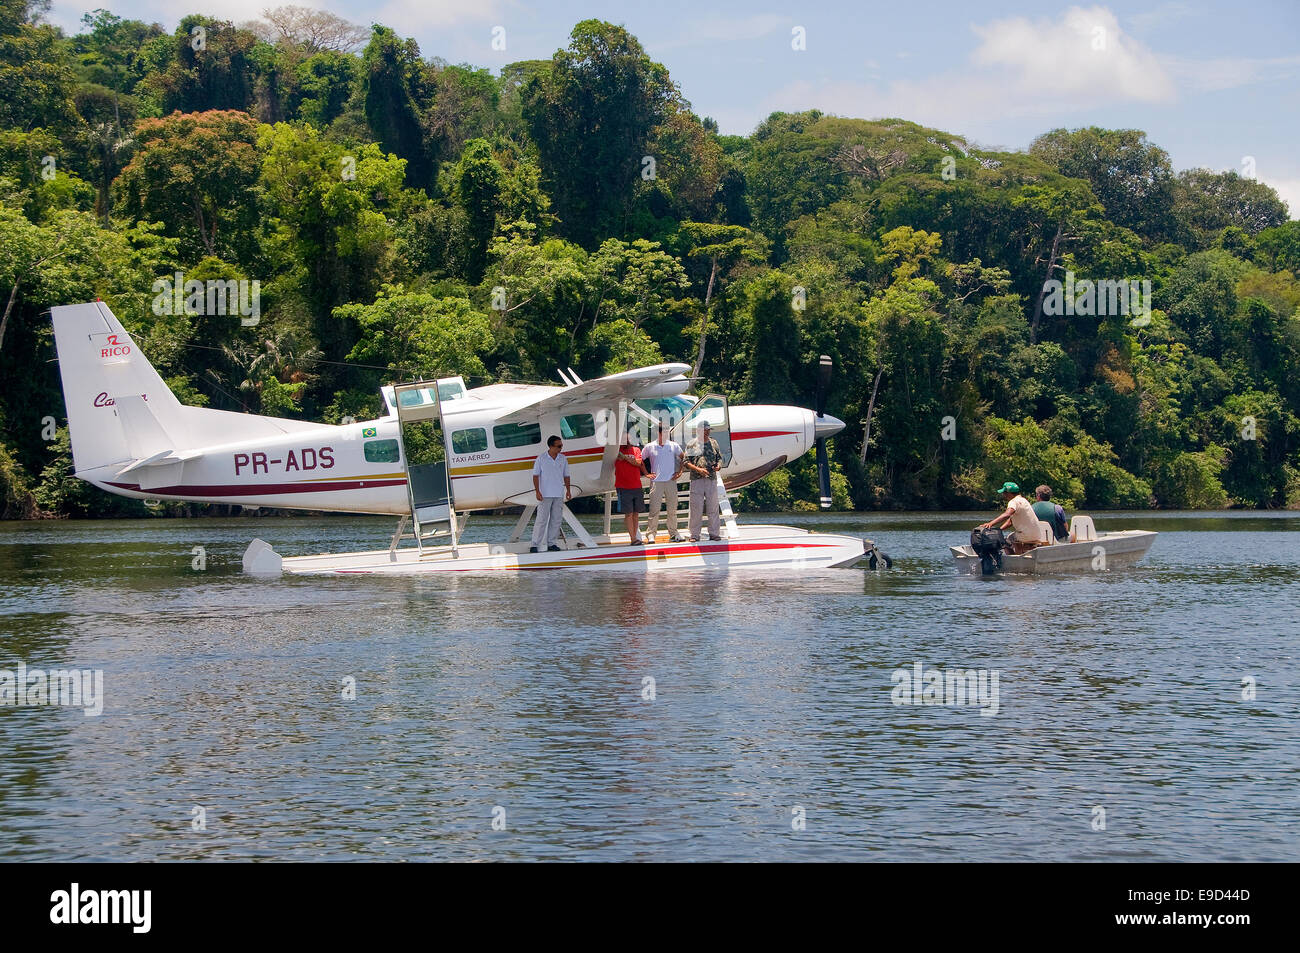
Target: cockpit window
[668, 409]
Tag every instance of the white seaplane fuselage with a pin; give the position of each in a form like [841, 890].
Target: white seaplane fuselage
[131, 436]
[355, 468]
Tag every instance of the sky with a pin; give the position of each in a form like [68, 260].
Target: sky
[1216, 84]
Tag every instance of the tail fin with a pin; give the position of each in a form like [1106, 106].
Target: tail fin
[100, 364]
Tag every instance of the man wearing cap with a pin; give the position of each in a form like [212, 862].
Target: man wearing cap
[703, 460]
[1022, 518]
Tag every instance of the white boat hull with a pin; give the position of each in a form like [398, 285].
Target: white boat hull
[1107, 551]
[754, 547]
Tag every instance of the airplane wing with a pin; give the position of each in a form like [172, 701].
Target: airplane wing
[642, 382]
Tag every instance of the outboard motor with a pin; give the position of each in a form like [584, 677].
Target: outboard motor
[988, 545]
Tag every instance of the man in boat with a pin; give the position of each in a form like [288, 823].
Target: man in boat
[703, 459]
[1020, 516]
[1051, 513]
[628, 470]
[551, 485]
[664, 458]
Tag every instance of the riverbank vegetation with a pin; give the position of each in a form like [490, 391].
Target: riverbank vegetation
[407, 216]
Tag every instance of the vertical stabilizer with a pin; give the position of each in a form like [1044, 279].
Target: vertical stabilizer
[100, 364]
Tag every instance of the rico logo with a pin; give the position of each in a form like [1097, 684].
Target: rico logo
[114, 348]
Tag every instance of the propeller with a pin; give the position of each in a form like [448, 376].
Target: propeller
[824, 428]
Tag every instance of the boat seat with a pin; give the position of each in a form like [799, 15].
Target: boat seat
[1045, 535]
[1082, 529]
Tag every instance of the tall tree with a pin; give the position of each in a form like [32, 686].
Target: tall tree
[721, 246]
[391, 78]
[1131, 177]
[212, 67]
[593, 115]
[1208, 202]
[310, 31]
[479, 181]
[328, 220]
[195, 173]
[35, 70]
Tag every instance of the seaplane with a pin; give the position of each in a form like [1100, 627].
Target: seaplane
[441, 452]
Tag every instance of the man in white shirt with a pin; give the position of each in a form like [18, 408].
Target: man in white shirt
[551, 485]
[665, 461]
[1020, 514]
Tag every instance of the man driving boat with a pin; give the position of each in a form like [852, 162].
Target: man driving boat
[1021, 517]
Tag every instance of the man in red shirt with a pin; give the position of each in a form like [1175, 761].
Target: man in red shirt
[627, 481]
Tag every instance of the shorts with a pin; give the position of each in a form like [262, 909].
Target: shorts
[631, 501]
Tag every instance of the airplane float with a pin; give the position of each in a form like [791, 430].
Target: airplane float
[441, 451]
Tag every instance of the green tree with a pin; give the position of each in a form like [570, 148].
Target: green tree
[417, 334]
[479, 183]
[912, 345]
[328, 222]
[1131, 177]
[325, 82]
[35, 71]
[392, 85]
[593, 116]
[721, 246]
[211, 67]
[1207, 202]
[196, 174]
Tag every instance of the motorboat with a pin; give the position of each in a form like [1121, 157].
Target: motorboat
[1086, 550]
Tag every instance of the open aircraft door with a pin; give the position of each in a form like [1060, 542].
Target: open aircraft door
[713, 408]
[422, 439]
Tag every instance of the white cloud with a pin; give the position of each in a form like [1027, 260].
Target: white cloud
[1081, 61]
[1085, 57]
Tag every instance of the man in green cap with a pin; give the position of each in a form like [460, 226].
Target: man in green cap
[1022, 518]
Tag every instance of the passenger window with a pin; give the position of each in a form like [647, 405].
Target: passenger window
[469, 441]
[381, 451]
[516, 435]
[578, 425]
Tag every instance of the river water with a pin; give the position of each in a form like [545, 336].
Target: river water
[1147, 713]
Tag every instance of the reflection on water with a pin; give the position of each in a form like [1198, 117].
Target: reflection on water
[771, 691]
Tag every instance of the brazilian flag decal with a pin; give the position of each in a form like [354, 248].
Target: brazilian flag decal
[368, 432]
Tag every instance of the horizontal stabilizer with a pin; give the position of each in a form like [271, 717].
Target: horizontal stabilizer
[162, 458]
